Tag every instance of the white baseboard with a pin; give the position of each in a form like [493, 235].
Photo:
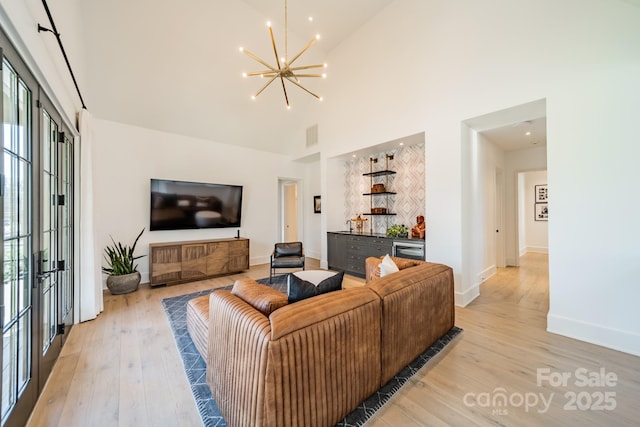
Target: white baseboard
[486, 274]
[462, 299]
[260, 260]
[625, 341]
[536, 249]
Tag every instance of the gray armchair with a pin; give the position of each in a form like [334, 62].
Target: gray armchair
[286, 255]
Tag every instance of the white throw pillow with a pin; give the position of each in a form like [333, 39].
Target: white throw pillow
[387, 266]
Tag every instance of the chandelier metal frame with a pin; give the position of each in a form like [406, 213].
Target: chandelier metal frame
[285, 69]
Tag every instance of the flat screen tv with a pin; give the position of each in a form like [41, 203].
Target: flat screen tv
[180, 205]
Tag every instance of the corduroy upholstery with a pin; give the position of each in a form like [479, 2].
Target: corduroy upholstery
[417, 309]
[312, 362]
[264, 298]
[198, 323]
[308, 364]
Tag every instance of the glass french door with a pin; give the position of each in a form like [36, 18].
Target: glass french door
[36, 194]
[54, 275]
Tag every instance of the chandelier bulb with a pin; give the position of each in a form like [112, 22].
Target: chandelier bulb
[244, 75]
[324, 75]
[325, 65]
[241, 50]
[269, 24]
[317, 36]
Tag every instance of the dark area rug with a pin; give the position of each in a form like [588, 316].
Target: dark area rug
[194, 365]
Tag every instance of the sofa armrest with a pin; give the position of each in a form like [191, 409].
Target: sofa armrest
[237, 358]
[372, 271]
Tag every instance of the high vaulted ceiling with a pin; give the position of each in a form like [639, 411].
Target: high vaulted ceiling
[175, 66]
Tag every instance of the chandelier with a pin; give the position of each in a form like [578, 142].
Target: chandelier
[284, 69]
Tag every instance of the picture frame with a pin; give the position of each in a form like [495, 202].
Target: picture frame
[541, 193]
[317, 208]
[541, 212]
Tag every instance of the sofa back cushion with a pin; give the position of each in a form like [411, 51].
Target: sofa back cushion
[324, 358]
[418, 308]
[261, 297]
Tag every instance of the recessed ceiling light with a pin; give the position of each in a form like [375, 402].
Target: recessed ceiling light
[311, 19]
[401, 144]
[528, 133]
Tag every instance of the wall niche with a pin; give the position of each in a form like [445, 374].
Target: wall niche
[408, 183]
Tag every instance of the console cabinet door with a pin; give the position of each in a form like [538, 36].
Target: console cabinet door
[217, 258]
[238, 255]
[166, 264]
[194, 261]
[336, 251]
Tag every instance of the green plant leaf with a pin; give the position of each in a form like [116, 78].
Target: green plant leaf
[120, 258]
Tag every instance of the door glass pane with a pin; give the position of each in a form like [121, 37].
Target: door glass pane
[9, 366]
[10, 279]
[66, 231]
[18, 238]
[49, 286]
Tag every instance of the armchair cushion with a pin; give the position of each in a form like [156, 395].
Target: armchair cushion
[263, 298]
[290, 249]
[300, 289]
[287, 262]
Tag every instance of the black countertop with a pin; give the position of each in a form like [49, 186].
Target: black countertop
[377, 235]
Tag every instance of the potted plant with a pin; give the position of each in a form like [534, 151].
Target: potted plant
[124, 276]
[398, 230]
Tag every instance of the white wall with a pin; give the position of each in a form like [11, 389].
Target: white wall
[586, 68]
[534, 234]
[128, 157]
[312, 221]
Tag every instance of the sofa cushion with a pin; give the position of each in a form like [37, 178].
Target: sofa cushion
[300, 289]
[387, 266]
[263, 298]
[198, 323]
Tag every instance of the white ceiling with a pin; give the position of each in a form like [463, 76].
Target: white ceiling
[334, 20]
[175, 66]
[519, 135]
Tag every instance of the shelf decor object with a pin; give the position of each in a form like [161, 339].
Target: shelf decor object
[284, 69]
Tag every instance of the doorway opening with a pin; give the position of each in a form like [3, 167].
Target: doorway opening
[496, 149]
[290, 206]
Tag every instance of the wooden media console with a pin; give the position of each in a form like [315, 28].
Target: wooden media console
[179, 262]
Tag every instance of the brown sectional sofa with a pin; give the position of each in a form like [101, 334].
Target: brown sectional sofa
[312, 362]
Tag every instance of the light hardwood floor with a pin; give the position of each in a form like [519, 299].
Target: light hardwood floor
[123, 369]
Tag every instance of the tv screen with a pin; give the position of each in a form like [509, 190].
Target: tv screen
[179, 205]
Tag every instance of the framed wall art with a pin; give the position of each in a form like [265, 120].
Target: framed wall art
[541, 212]
[541, 193]
[316, 204]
